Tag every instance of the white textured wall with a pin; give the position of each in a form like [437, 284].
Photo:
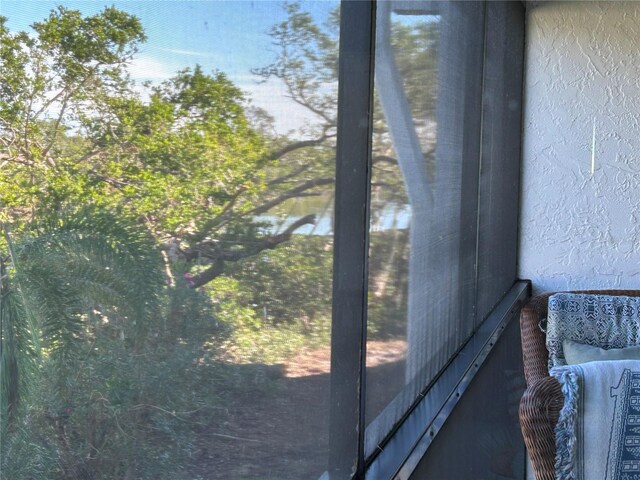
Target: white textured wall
[580, 208]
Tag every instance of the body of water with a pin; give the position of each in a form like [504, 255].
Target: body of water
[391, 217]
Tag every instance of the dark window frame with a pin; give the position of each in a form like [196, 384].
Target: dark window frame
[351, 238]
[399, 453]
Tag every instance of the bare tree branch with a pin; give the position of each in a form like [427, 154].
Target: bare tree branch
[292, 193]
[289, 176]
[207, 275]
[54, 135]
[219, 220]
[297, 146]
[384, 159]
[220, 256]
[267, 243]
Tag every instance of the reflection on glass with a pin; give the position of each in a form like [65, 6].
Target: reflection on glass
[166, 186]
[421, 271]
[407, 49]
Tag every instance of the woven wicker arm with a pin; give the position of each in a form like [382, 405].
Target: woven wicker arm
[542, 400]
[539, 409]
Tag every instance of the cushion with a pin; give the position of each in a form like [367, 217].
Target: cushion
[597, 430]
[604, 321]
[575, 353]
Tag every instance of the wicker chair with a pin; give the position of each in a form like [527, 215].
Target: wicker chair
[542, 400]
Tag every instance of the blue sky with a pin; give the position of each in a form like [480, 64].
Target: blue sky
[230, 36]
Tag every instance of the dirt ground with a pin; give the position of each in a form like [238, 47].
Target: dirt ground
[283, 435]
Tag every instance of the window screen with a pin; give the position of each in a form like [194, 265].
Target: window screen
[166, 238]
[432, 272]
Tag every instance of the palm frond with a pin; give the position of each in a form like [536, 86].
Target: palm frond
[17, 352]
[62, 272]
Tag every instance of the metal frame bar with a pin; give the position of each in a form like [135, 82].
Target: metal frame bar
[500, 156]
[401, 455]
[351, 239]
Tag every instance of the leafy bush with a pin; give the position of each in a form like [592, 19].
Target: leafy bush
[277, 302]
[116, 388]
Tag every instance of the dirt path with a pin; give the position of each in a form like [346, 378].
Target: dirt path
[283, 435]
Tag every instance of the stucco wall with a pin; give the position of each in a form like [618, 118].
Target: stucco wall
[580, 205]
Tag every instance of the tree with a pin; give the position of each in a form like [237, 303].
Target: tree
[404, 173]
[52, 82]
[201, 173]
[186, 161]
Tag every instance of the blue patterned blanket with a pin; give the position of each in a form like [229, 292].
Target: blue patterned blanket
[602, 320]
[598, 432]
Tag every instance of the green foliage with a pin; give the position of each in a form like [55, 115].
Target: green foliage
[17, 350]
[388, 284]
[73, 41]
[117, 381]
[88, 263]
[184, 159]
[126, 414]
[179, 158]
[415, 48]
[291, 283]
[111, 363]
[61, 273]
[74, 131]
[277, 302]
[53, 79]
